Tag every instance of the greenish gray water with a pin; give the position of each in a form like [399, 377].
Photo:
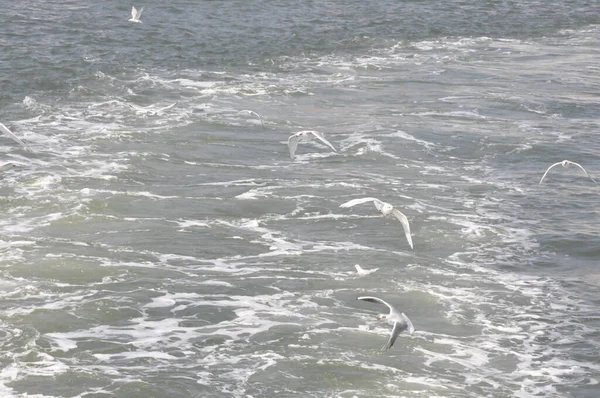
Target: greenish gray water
[159, 242]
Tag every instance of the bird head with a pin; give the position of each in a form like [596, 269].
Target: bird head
[381, 317]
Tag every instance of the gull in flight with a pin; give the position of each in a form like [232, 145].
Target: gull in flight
[9, 133]
[6, 165]
[255, 114]
[135, 15]
[385, 209]
[362, 272]
[565, 164]
[306, 135]
[157, 112]
[397, 319]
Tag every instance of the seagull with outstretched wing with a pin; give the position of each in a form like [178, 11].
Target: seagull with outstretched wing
[306, 135]
[565, 164]
[397, 319]
[136, 14]
[386, 209]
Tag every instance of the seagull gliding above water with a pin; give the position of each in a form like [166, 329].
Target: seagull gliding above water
[255, 114]
[385, 209]
[397, 319]
[135, 15]
[565, 164]
[362, 272]
[306, 135]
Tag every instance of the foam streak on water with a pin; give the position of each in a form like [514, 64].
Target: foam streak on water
[158, 241]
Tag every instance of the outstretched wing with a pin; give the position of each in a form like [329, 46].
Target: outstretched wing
[409, 324]
[399, 327]
[375, 300]
[581, 167]
[355, 202]
[9, 133]
[402, 218]
[547, 170]
[138, 14]
[396, 330]
[293, 144]
[133, 12]
[323, 140]
[167, 107]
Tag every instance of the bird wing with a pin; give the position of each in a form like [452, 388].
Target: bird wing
[169, 106]
[397, 329]
[355, 202]
[166, 107]
[402, 218]
[323, 140]
[138, 14]
[378, 204]
[133, 12]
[581, 167]
[409, 324]
[547, 170]
[293, 144]
[375, 300]
[9, 133]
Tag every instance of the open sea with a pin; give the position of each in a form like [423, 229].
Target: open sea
[159, 241]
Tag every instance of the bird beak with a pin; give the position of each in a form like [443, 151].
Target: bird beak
[378, 318]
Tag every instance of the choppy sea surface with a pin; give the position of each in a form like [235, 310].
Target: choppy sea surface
[159, 242]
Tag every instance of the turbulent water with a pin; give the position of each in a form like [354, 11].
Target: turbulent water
[159, 242]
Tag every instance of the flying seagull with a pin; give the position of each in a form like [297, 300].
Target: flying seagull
[385, 209]
[255, 114]
[306, 135]
[362, 272]
[147, 109]
[135, 15]
[397, 319]
[565, 164]
[6, 165]
[9, 133]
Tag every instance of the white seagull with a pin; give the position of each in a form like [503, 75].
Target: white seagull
[565, 164]
[255, 114]
[306, 135]
[385, 209]
[6, 165]
[397, 319]
[147, 109]
[9, 133]
[135, 15]
[362, 272]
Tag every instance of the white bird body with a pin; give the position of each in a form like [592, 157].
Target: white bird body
[306, 135]
[565, 164]
[362, 272]
[397, 319]
[10, 134]
[135, 15]
[386, 209]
